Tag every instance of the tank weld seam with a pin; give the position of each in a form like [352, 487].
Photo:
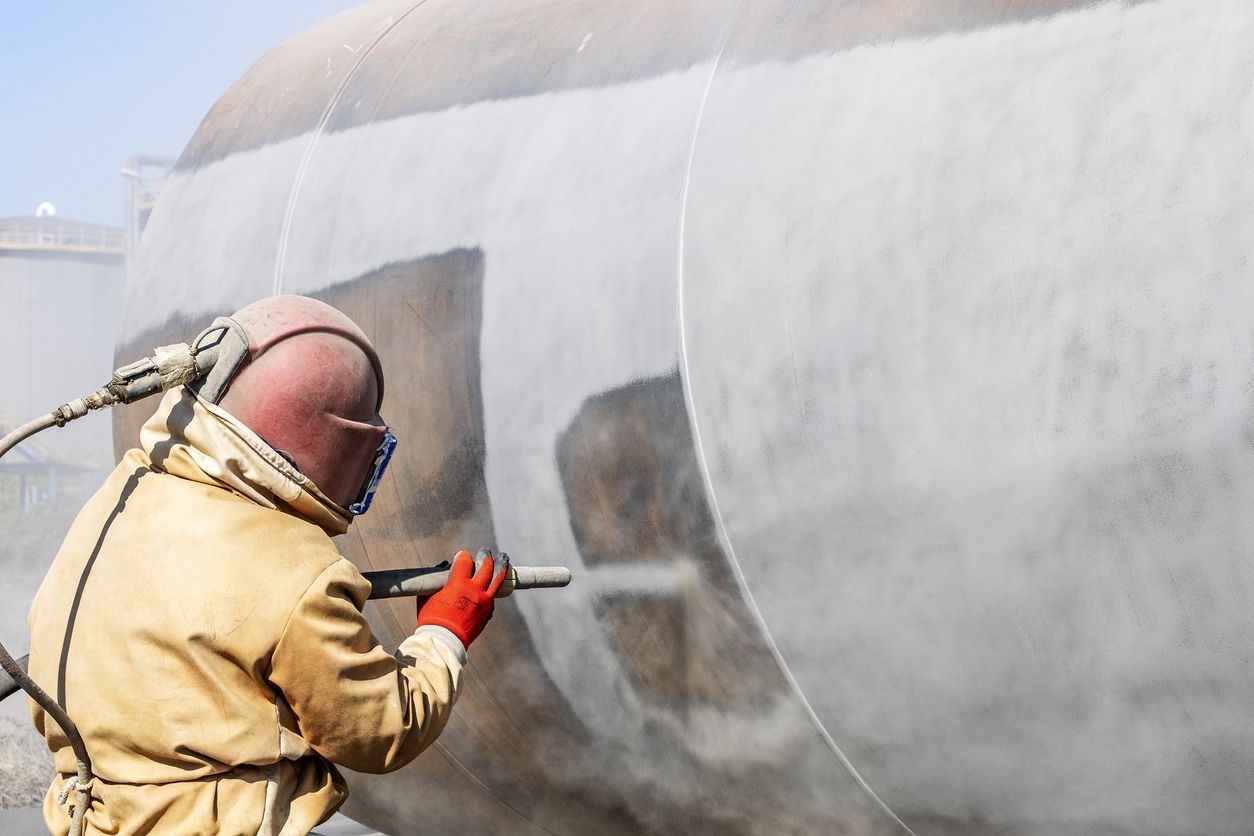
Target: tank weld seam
[690, 404]
[444, 750]
[289, 213]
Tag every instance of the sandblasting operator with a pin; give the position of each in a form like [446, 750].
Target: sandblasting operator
[200, 626]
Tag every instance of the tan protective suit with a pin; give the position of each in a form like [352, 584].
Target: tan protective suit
[203, 632]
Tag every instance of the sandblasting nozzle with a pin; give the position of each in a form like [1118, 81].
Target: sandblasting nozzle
[399, 583]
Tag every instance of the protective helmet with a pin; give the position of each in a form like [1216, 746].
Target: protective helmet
[311, 387]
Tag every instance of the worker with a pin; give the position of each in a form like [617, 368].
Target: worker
[199, 625]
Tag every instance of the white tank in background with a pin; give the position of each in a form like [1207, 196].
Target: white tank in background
[61, 284]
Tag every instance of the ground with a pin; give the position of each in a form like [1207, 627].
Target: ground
[25, 766]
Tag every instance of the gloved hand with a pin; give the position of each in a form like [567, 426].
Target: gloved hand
[464, 605]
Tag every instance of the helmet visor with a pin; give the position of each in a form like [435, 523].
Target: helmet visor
[381, 458]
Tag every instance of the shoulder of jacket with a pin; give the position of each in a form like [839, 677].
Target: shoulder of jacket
[341, 574]
[327, 592]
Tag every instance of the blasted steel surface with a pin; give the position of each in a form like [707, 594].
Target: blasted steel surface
[882, 370]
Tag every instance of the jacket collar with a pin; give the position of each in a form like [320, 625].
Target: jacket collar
[193, 439]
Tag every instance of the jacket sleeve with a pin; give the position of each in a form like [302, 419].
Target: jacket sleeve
[354, 704]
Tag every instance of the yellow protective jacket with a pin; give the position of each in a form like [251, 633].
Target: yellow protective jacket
[207, 639]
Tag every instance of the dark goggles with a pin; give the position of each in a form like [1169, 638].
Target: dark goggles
[381, 458]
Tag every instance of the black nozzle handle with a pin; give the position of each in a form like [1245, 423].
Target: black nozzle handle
[7, 686]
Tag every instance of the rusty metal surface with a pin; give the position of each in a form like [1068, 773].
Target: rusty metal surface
[880, 368]
[524, 48]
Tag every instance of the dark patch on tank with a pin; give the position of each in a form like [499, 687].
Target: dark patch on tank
[425, 317]
[629, 470]
[637, 506]
[451, 492]
[934, 824]
[432, 60]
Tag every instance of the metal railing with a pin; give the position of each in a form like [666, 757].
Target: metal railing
[62, 238]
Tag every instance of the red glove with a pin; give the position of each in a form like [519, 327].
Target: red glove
[464, 605]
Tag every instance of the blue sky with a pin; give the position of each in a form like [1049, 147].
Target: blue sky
[85, 86]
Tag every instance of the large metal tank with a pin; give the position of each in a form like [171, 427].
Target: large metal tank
[883, 370]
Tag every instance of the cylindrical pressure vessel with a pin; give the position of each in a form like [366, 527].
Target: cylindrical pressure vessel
[882, 370]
